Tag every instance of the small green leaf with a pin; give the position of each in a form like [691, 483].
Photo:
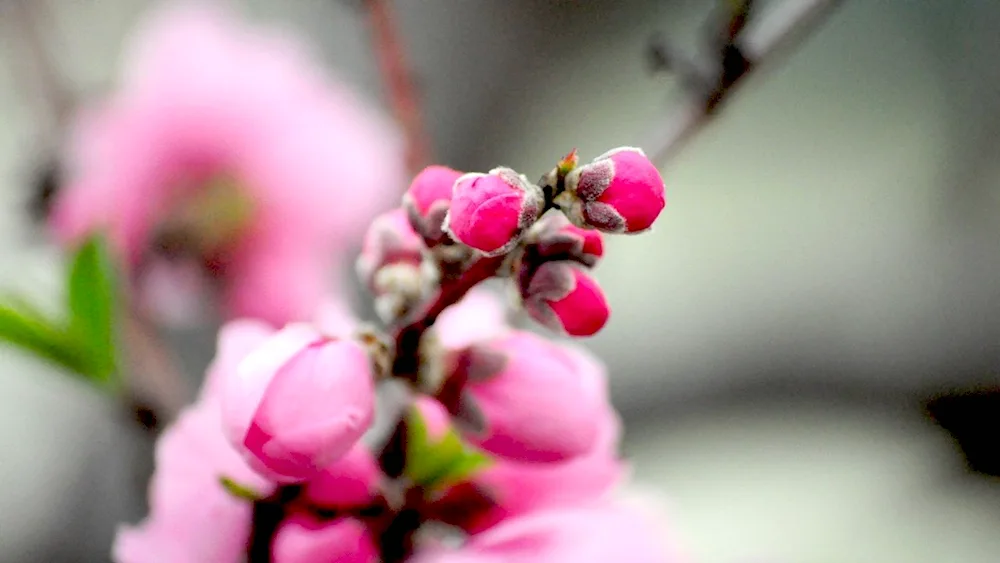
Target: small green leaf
[239, 490]
[27, 328]
[441, 463]
[92, 308]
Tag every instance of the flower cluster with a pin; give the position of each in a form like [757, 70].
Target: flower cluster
[501, 444]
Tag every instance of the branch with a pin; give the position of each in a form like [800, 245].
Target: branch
[28, 22]
[397, 78]
[758, 43]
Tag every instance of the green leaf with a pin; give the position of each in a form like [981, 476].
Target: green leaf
[92, 308]
[239, 490]
[441, 463]
[27, 328]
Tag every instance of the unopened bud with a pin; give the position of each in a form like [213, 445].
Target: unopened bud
[564, 298]
[490, 212]
[298, 402]
[530, 401]
[621, 191]
[555, 238]
[427, 201]
[394, 267]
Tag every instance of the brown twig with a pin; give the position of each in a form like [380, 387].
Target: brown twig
[27, 24]
[397, 78]
[153, 371]
[755, 43]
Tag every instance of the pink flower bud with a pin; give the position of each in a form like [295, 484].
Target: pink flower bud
[428, 199]
[515, 487]
[390, 240]
[490, 212]
[562, 297]
[392, 265]
[298, 402]
[556, 238]
[350, 482]
[621, 191]
[302, 539]
[525, 399]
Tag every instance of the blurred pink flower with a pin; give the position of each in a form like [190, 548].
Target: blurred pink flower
[205, 99]
[298, 401]
[597, 532]
[192, 517]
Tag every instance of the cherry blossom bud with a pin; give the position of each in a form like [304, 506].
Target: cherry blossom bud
[303, 539]
[390, 240]
[298, 402]
[525, 399]
[621, 191]
[392, 265]
[490, 212]
[555, 238]
[564, 298]
[427, 200]
[350, 481]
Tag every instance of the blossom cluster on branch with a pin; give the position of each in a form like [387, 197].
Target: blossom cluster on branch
[441, 434]
[505, 448]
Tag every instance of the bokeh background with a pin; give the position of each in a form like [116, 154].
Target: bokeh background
[827, 264]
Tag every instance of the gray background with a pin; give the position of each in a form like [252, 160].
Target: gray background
[828, 257]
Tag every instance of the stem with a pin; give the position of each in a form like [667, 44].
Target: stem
[153, 372]
[760, 42]
[397, 78]
[407, 362]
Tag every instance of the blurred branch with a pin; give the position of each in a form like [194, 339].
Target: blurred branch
[747, 43]
[28, 22]
[397, 78]
[153, 373]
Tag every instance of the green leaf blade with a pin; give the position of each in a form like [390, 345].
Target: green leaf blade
[26, 328]
[440, 463]
[92, 306]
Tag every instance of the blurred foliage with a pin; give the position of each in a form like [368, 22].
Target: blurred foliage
[436, 464]
[82, 339]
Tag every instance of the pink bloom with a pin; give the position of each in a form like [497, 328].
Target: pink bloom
[428, 198]
[192, 518]
[300, 539]
[299, 402]
[621, 191]
[597, 532]
[205, 98]
[490, 212]
[478, 317]
[531, 399]
[350, 481]
[517, 487]
[564, 298]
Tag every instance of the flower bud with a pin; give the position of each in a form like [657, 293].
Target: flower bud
[392, 265]
[303, 539]
[621, 191]
[349, 482]
[556, 238]
[390, 240]
[427, 200]
[562, 297]
[525, 399]
[298, 402]
[490, 212]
